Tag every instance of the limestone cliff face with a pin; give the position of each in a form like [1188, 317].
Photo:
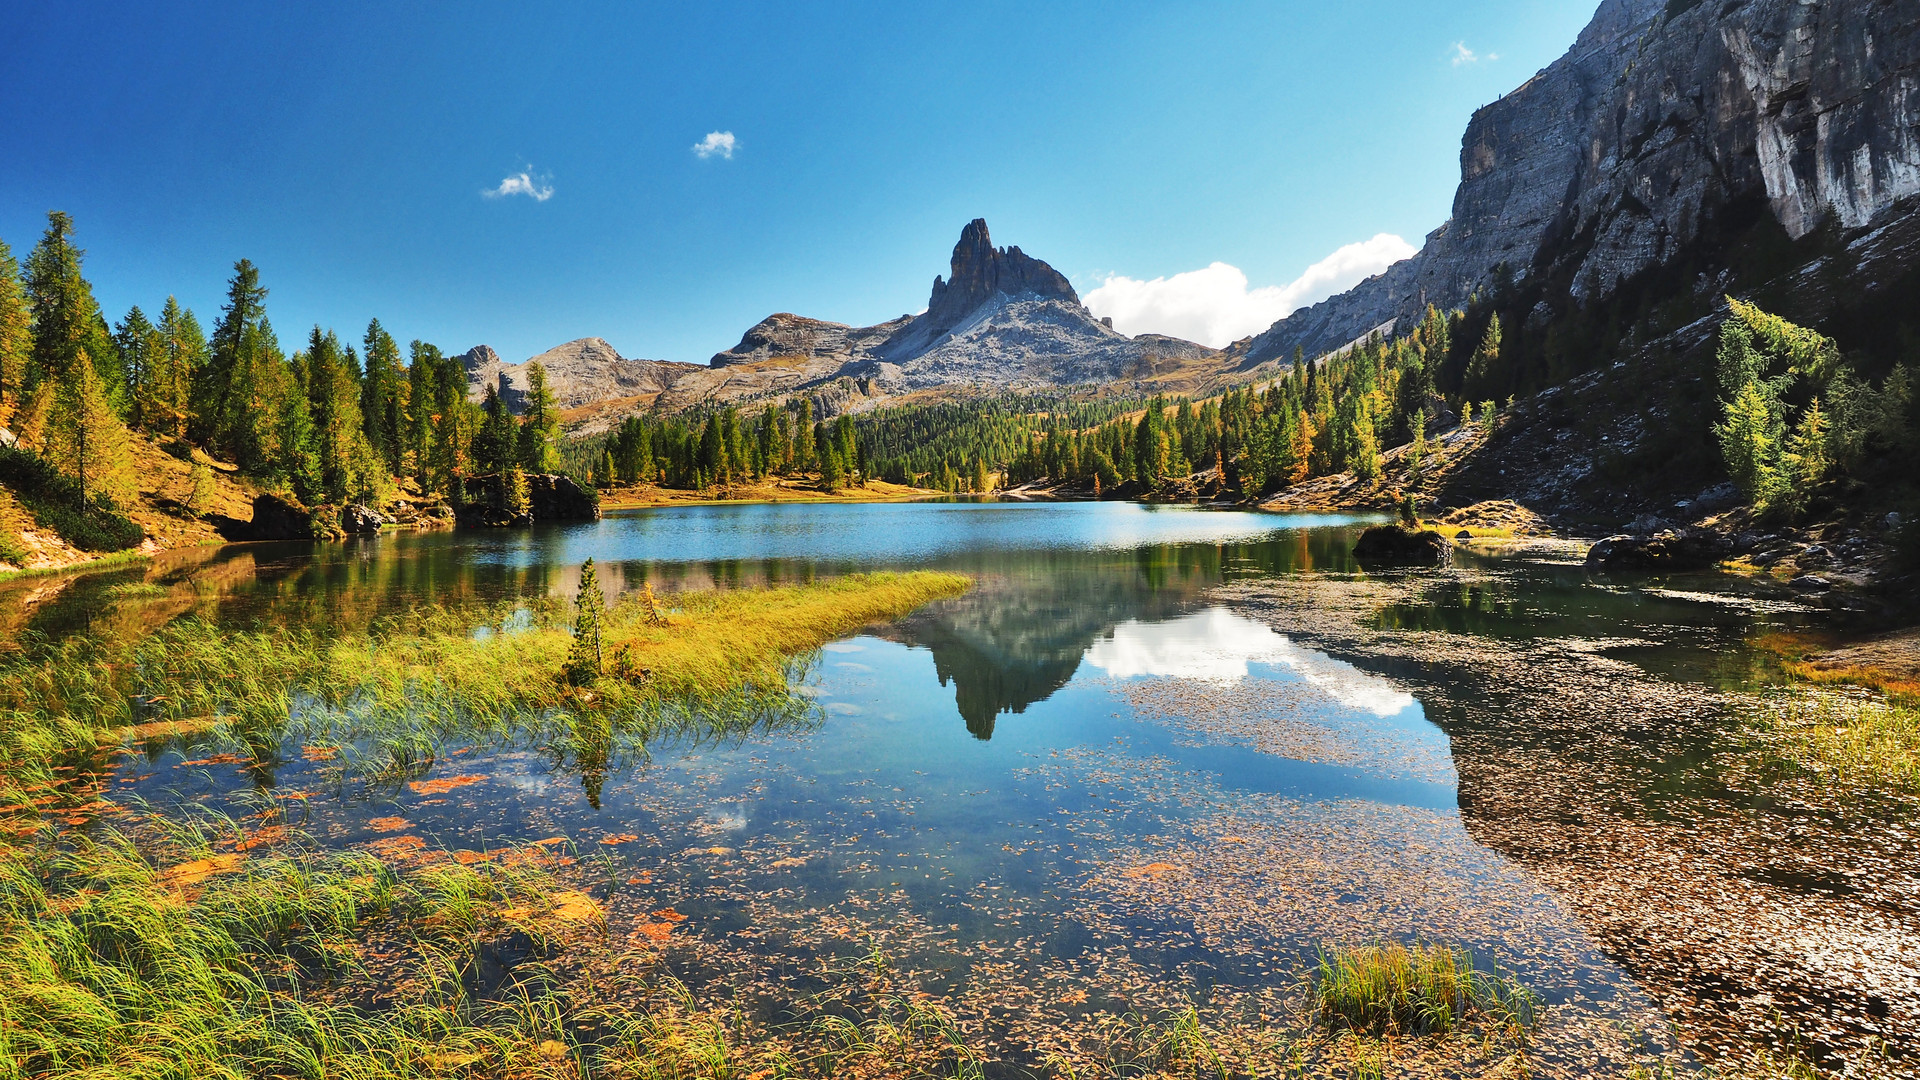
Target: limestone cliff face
[1663, 119]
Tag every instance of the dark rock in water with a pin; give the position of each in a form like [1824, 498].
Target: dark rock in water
[1683, 550]
[1463, 534]
[1399, 544]
[362, 520]
[277, 517]
[1810, 583]
[550, 497]
[559, 497]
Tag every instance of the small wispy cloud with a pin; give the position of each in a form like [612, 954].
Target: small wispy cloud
[1464, 55]
[716, 144]
[523, 183]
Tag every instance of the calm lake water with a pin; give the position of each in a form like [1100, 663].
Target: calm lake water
[1097, 772]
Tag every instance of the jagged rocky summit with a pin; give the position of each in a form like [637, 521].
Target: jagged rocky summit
[1660, 139]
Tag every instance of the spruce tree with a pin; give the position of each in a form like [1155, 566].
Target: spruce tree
[85, 438]
[298, 463]
[496, 443]
[382, 393]
[226, 397]
[540, 426]
[183, 351]
[66, 320]
[422, 367]
[16, 334]
[584, 659]
[140, 349]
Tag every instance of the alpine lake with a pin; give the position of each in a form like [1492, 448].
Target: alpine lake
[1154, 763]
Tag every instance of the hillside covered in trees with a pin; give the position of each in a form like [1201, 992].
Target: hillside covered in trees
[327, 425]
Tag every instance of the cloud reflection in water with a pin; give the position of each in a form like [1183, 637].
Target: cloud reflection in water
[1217, 646]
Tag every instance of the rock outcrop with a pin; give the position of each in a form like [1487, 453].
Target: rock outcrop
[1397, 544]
[787, 336]
[550, 497]
[1667, 126]
[580, 372]
[1682, 549]
[278, 517]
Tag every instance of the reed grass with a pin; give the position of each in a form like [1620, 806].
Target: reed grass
[1848, 741]
[121, 957]
[1417, 990]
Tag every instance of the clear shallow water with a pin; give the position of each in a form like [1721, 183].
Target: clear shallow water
[1088, 771]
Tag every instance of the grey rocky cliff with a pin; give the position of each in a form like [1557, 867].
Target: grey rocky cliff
[1653, 131]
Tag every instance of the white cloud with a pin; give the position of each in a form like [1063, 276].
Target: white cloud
[1464, 55]
[537, 189]
[1214, 306]
[716, 144]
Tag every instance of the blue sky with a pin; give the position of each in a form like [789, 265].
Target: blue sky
[347, 150]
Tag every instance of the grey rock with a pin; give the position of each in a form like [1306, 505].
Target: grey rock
[1810, 583]
[361, 520]
[1621, 153]
[581, 372]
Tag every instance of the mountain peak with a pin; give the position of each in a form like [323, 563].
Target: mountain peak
[979, 271]
[978, 274]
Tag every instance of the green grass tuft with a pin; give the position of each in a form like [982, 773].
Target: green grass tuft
[1418, 990]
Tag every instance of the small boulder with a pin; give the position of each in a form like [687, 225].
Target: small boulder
[362, 520]
[1399, 544]
[1810, 583]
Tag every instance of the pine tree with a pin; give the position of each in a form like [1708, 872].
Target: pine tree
[496, 443]
[16, 334]
[540, 426]
[382, 397]
[66, 320]
[333, 397]
[453, 428]
[584, 659]
[1483, 365]
[227, 398]
[297, 462]
[422, 366]
[85, 438]
[183, 351]
[140, 349]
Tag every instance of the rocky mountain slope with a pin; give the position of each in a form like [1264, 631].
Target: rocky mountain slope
[581, 372]
[1675, 133]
